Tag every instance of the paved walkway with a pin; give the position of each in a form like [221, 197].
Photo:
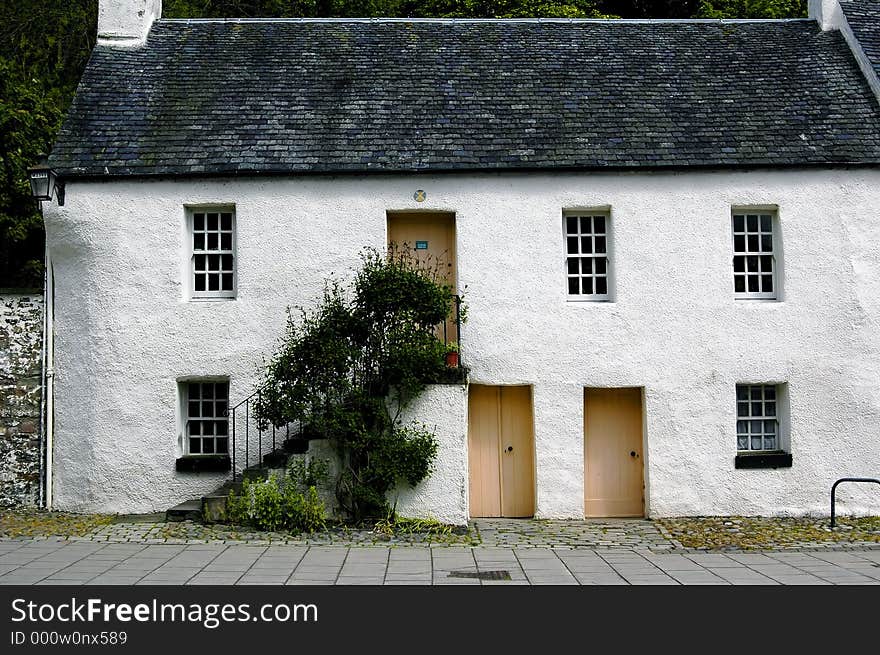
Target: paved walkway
[496, 551]
[57, 562]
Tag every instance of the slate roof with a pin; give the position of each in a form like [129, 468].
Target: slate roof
[356, 96]
[863, 17]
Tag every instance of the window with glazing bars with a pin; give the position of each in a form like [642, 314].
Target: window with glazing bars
[213, 255]
[757, 424]
[207, 426]
[754, 259]
[586, 252]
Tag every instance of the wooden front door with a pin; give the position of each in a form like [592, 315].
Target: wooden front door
[613, 468]
[431, 237]
[501, 451]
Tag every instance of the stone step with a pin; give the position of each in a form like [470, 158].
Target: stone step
[189, 510]
[211, 508]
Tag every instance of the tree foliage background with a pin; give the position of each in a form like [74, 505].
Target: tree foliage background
[45, 44]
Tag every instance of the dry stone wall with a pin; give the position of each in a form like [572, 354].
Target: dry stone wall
[21, 333]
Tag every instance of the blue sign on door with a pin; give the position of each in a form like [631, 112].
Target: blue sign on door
[421, 245]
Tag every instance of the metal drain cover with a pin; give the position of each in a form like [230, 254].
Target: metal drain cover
[481, 575]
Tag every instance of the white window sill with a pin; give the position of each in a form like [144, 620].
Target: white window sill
[757, 299]
[212, 299]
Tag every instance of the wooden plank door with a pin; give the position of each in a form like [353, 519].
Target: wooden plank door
[613, 462]
[484, 445]
[517, 453]
[501, 451]
[431, 236]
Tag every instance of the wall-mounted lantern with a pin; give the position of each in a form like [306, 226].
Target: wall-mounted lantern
[44, 182]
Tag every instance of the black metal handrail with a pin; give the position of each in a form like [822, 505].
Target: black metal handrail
[834, 489]
[247, 421]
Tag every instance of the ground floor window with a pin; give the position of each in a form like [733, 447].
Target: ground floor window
[757, 425]
[762, 426]
[207, 425]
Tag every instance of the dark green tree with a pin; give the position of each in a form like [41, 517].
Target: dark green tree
[44, 47]
[752, 9]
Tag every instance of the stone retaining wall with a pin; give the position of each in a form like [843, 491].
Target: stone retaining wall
[21, 333]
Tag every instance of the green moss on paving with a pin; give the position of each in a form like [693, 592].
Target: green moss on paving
[43, 523]
[406, 531]
[763, 533]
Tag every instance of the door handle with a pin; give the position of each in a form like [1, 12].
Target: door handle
[509, 449]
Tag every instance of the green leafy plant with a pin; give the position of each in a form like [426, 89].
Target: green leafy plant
[238, 505]
[275, 505]
[397, 525]
[348, 368]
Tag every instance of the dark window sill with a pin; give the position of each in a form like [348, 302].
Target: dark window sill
[203, 463]
[775, 460]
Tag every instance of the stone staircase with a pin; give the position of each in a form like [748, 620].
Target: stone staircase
[211, 508]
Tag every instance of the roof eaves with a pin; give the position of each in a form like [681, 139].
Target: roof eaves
[638, 167]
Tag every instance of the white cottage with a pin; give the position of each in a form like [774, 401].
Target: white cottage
[668, 232]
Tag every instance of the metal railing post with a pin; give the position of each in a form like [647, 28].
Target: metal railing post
[233, 444]
[458, 326]
[247, 436]
[259, 436]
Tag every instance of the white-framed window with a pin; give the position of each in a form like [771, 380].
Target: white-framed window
[755, 260]
[586, 255]
[757, 418]
[205, 422]
[212, 272]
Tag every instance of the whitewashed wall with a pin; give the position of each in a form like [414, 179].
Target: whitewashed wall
[125, 334]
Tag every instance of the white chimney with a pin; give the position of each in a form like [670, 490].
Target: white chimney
[827, 13]
[126, 23]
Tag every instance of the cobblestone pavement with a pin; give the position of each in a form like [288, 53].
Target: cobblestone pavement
[708, 534]
[605, 533]
[57, 561]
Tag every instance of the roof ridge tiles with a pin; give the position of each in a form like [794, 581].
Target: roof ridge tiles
[605, 21]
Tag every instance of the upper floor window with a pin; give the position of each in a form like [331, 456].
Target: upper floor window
[586, 255]
[754, 254]
[212, 245]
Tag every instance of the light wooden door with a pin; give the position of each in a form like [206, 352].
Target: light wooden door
[484, 446]
[613, 462]
[501, 451]
[431, 237]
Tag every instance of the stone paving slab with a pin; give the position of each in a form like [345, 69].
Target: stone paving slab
[398, 565]
[603, 552]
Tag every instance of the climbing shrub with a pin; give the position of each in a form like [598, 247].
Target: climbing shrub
[347, 368]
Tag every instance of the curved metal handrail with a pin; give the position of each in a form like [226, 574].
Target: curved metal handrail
[834, 489]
